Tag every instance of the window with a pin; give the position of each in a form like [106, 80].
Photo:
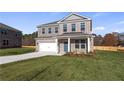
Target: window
[4, 32]
[73, 27]
[5, 42]
[76, 43]
[43, 30]
[49, 30]
[65, 28]
[80, 44]
[83, 41]
[56, 29]
[82, 26]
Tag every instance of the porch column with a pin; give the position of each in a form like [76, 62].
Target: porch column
[69, 45]
[57, 48]
[92, 44]
[88, 44]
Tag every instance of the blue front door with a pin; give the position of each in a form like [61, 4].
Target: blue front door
[65, 46]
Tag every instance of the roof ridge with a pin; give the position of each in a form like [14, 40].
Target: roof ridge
[7, 27]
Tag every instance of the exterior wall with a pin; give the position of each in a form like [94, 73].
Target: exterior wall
[14, 38]
[46, 31]
[77, 22]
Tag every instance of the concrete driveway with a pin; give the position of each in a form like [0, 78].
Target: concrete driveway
[13, 58]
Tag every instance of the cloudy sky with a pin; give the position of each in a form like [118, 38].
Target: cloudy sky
[103, 22]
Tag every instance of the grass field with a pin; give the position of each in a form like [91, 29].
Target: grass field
[102, 66]
[15, 51]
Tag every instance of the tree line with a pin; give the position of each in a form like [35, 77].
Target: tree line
[110, 39]
[29, 39]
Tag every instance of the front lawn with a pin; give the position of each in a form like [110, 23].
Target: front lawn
[102, 66]
[15, 51]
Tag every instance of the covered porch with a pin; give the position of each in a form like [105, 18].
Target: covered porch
[76, 43]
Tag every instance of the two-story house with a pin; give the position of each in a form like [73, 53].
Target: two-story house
[10, 37]
[70, 34]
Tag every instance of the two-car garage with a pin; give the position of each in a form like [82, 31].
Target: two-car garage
[47, 45]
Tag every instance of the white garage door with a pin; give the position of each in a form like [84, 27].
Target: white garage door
[52, 47]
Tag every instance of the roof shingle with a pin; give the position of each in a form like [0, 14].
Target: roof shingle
[7, 27]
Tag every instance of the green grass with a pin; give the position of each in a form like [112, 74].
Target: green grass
[102, 66]
[15, 51]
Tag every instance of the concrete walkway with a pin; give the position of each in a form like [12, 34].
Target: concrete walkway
[13, 58]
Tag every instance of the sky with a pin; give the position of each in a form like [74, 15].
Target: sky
[103, 22]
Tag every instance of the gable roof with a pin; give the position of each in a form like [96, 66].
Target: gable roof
[55, 22]
[75, 15]
[8, 27]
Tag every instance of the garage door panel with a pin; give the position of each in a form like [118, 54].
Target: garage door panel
[48, 47]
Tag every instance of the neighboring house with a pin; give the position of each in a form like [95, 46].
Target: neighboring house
[9, 37]
[121, 39]
[98, 40]
[70, 34]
